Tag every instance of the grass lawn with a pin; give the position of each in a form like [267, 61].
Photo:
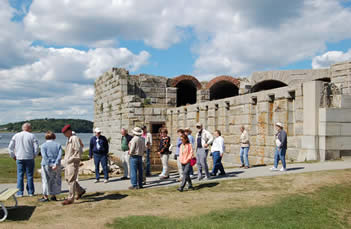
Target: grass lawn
[306, 200]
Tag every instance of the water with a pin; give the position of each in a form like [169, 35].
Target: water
[60, 138]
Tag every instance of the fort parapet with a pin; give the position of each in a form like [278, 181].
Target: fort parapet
[313, 105]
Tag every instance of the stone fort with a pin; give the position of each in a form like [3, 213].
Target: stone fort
[313, 105]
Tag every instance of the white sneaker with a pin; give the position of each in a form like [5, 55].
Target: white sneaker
[274, 169]
[18, 196]
[161, 175]
[191, 176]
[283, 169]
[206, 178]
[30, 195]
[96, 181]
[105, 181]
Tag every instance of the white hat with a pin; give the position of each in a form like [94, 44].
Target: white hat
[137, 131]
[198, 124]
[97, 130]
[279, 124]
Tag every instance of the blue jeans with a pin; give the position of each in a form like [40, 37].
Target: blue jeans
[244, 156]
[101, 158]
[217, 163]
[279, 155]
[25, 167]
[136, 171]
[148, 164]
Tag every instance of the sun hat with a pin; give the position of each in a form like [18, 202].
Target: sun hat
[279, 124]
[137, 131]
[65, 128]
[198, 124]
[97, 130]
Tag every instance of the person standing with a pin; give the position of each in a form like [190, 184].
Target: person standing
[217, 150]
[148, 141]
[126, 138]
[188, 132]
[51, 153]
[186, 153]
[99, 150]
[180, 133]
[72, 157]
[244, 148]
[203, 140]
[281, 147]
[164, 153]
[23, 148]
[136, 152]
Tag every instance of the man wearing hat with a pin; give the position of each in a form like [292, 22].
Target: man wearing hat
[281, 147]
[99, 149]
[203, 140]
[73, 153]
[136, 151]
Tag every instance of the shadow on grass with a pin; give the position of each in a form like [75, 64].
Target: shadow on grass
[20, 213]
[206, 185]
[100, 196]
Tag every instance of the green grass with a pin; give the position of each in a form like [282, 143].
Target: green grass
[8, 169]
[329, 207]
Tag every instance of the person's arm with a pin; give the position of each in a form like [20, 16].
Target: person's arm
[35, 146]
[44, 152]
[221, 144]
[91, 147]
[150, 139]
[132, 145]
[210, 138]
[283, 139]
[11, 148]
[58, 159]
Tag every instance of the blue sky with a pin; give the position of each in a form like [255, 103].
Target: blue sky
[53, 51]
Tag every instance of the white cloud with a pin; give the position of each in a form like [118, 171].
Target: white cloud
[329, 58]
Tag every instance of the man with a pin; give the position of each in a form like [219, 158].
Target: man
[23, 148]
[281, 147]
[126, 138]
[203, 140]
[148, 141]
[73, 153]
[99, 148]
[136, 152]
[217, 151]
[244, 148]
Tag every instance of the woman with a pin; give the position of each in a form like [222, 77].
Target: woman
[217, 151]
[51, 167]
[244, 148]
[188, 132]
[164, 153]
[186, 153]
[180, 133]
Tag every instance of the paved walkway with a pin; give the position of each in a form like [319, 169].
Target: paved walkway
[117, 184]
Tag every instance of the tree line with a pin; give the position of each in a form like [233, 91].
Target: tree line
[55, 125]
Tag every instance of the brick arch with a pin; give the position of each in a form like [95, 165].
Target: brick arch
[217, 79]
[181, 78]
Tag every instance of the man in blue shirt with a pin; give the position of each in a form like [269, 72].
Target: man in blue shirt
[99, 149]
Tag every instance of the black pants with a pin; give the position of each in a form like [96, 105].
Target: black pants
[186, 176]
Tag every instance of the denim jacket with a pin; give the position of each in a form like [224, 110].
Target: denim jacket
[51, 153]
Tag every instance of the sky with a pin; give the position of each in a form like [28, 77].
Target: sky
[53, 51]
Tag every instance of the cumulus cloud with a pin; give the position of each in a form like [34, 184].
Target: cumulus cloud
[329, 58]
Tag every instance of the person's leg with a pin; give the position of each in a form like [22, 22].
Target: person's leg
[187, 174]
[180, 168]
[30, 176]
[182, 185]
[97, 159]
[144, 168]
[191, 171]
[20, 176]
[104, 162]
[71, 180]
[282, 157]
[128, 164]
[246, 156]
[125, 163]
[163, 165]
[133, 171]
[140, 172]
[148, 163]
[242, 156]
[45, 180]
[198, 163]
[220, 165]
[205, 164]
[166, 165]
[276, 158]
[216, 162]
[78, 189]
[56, 185]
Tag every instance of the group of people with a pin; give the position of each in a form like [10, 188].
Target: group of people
[24, 147]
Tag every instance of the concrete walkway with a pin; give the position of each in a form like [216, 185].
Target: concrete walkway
[116, 184]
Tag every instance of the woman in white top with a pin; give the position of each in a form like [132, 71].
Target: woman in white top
[217, 151]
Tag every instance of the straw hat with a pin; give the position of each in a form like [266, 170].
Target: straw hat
[279, 124]
[137, 131]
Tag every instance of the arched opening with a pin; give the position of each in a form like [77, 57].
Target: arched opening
[223, 89]
[186, 93]
[326, 79]
[267, 85]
